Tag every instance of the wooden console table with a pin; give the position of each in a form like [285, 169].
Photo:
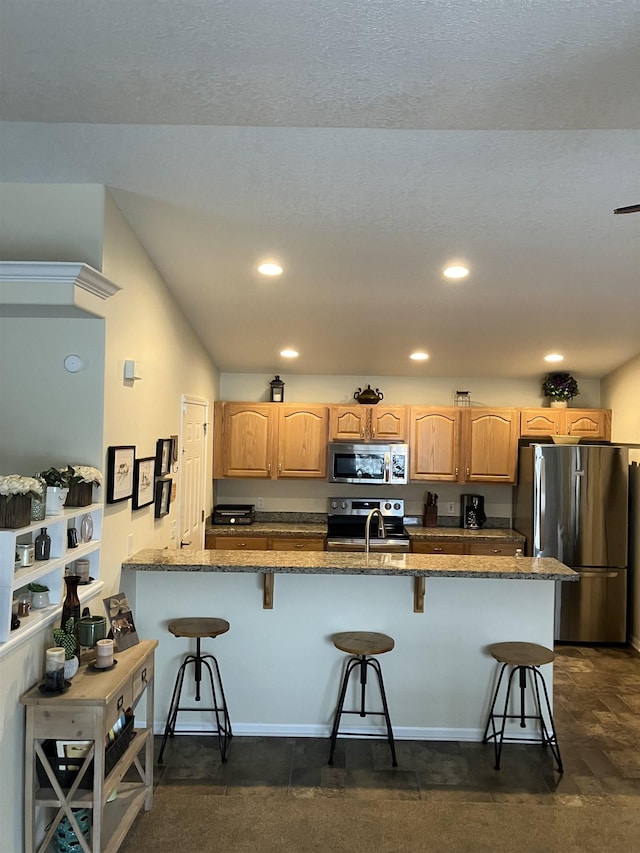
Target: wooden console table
[86, 712]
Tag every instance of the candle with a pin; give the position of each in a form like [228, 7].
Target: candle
[54, 669]
[104, 654]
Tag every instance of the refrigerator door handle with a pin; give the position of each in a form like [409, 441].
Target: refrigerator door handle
[539, 508]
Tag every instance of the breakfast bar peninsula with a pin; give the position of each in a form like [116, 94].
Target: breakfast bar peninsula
[279, 665]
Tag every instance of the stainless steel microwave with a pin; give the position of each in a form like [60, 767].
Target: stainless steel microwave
[383, 464]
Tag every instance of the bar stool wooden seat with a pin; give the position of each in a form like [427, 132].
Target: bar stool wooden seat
[361, 645]
[199, 627]
[522, 658]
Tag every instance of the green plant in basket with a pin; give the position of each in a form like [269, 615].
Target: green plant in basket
[66, 638]
[57, 477]
[560, 386]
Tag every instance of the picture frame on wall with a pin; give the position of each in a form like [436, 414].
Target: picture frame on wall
[120, 468]
[143, 482]
[163, 456]
[163, 496]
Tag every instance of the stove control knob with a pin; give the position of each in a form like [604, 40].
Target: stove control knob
[344, 505]
[334, 504]
[396, 506]
[387, 506]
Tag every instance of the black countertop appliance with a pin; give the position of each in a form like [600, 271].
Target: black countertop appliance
[473, 514]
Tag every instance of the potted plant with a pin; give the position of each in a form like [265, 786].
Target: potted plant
[39, 595]
[57, 480]
[82, 479]
[560, 388]
[66, 637]
[16, 492]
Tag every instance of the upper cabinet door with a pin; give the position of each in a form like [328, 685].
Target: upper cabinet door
[243, 438]
[348, 423]
[491, 445]
[388, 423]
[540, 422]
[591, 423]
[434, 450]
[302, 441]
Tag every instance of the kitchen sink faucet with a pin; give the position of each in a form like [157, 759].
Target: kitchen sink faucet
[367, 528]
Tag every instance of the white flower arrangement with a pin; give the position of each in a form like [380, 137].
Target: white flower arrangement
[17, 484]
[85, 474]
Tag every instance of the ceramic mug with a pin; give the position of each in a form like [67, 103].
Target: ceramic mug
[91, 629]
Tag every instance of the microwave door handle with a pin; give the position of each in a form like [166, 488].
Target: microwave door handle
[386, 467]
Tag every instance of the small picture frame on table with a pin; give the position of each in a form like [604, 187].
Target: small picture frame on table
[163, 456]
[120, 464]
[163, 496]
[143, 480]
[123, 629]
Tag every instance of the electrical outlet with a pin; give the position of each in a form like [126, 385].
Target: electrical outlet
[174, 529]
[451, 508]
[259, 503]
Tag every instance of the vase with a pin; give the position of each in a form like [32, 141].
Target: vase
[80, 494]
[558, 404]
[55, 500]
[71, 667]
[39, 600]
[38, 506]
[71, 603]
[15, 511]
[42, 545]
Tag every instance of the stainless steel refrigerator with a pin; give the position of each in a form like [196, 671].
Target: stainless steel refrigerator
[571, 502]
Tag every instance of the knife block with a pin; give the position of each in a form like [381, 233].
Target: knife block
[430, 518]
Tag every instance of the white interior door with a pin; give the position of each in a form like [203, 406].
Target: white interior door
[192, 459]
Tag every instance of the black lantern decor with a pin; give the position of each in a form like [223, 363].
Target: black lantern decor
[277, 390]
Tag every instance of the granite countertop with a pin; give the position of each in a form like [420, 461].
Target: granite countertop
[325, 562]
[459, 534]
[270, 528]
[319, 531]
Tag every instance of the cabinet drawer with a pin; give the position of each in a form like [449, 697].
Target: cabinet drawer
[141, 679]
[241, 543]
[122, 700]
[487, 549]
[437, 547]
[287, 543]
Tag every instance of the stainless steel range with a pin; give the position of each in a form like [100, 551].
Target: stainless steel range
[347, 521]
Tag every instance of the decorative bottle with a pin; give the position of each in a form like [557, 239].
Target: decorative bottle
[38, 505]
[42, 545]
[71, 603]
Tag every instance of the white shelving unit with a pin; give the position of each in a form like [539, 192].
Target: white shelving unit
[48, 572]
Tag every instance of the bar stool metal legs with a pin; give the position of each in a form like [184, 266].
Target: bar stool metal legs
[523, 658]
[200, 663]
[361, 663]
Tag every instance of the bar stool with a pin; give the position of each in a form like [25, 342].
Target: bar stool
[360, 645]
[523, 658]
[199, 627]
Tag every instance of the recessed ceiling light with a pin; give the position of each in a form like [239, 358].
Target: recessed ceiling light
[288, 353]
[456, 272]
[419, 356]
[554, 356]
[270, 269]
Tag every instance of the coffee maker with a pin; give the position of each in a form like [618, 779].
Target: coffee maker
[473, 515]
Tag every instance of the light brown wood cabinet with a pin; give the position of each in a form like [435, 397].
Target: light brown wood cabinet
[270, 441]
[263, 543]
[485, 549]
[463, 445]
[589, 423]
[367, 423]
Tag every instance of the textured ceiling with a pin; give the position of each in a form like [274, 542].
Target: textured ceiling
[364, 144]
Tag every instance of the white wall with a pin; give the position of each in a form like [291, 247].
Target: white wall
[48, 416]
[621, 392]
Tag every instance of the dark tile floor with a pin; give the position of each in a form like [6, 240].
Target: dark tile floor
[597, 715]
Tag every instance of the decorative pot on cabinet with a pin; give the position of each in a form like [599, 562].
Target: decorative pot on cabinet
[558, 404]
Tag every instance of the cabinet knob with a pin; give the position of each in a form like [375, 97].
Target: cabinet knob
[437, 549]
[242, 544]
[299, 545]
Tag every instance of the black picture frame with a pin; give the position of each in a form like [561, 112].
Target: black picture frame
[120, 467]
[163, 456]
[143, 482]
[163, 496]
